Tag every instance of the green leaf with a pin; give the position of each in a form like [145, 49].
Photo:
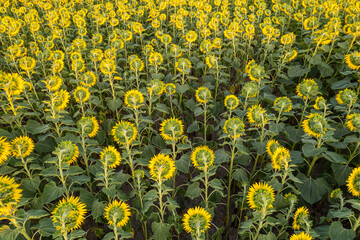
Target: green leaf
[341, 173]
[97, 209]
[343, 213]
[221, 156]
[161, 230]
[338, 232]
[335, 158]
[183, 163]
[297, 71]
[313, 190]
[114, 104]
[51, 192]
[310, 150]
[216, 184]
[193, 190]
[341, 84]
[240, 175]
[193, 127]
[325, 69]
[36, 214]
[46, 227]
[163, 108]
[8, 234]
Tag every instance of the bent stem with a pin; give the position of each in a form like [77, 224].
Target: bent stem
[22, 231]
[314, 159]
[354, 153]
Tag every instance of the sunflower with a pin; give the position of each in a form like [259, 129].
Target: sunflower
[257, 116]
[137, 64]
[107, 66]
[231, 102]
[301, 236]
[133, 98]
[191, 36]
[124, 132]
[81, 94]
[155, 86]
[69, 214]
[292, 198]
[353, 182]
[260, 197]
[110, 157]
[315, 125]
[290, 55]
[117, 213]
[336, 193]
[10, 193]
[88, 79]
[353, 121]
[320, 103]
[22, 147]
[346, 96]
[234, 127]
[307, 89]
[250, 89]
[170, 88]
[27, 63]
[271, 147]
[353, 60]
[202, 156]
[196, 221]
[280, 158]
[162, 167]
[53, 83]
[212, 61]
[203, 95]
[5, 148]
[256, 72]
[67, 151]
[183, 65]
[288, 39]
[61, 99]
[171, 129]
[155, 59]
[89, 125]
[301, 218]
[282, 104]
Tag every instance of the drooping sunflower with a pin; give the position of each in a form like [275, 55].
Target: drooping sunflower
[53, 83]
[117, 213]
[280, 158]
[301, 236]
[315, 125]
[108, 66]
[250, 89]
[202, 156]
[110, 157]
[256, 72]
[10, 193]
[231, 102]
[260, 197]
[203, 95]
[257, 116]
[69, 214]
[353, 182]
[5, 148]
[155, 86]
[290, 55]
[196, 221]
[67, 151]
[133, 98]
[170, 88]
[88, 79]
[171, 129]
[137, 64]
[183, 65]
[27, 63]
[89, 125]
[22, 146]
[307, 89]
[212, 61]
[346, 96]
[320, 103]
[124, 132]
[234, 127]
[155, 59]
[81, 94]
[282, 104]
[353, 60]
[162, 167]
[271, 146]
[336, 193]
[301, 218]
[191, 36]
[353, 121]
[61, 99]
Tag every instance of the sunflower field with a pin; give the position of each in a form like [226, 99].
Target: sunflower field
[180, 119]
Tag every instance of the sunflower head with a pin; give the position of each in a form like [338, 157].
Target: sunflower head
[110, 157]
[69, 214]
[124, 132]
[203, 95]
[162, 167]
[231, 102]
[137, 64]
[10, 194]
[172, 129]
[183, 65]
[315, 125]
[353, 121]
[257, 116]
[53, 83]
[234, 127]
[271, 147]
[212, 61]
[191, 36]
[301, 236]
[155, 86]
[67, 152]
[353, 60]
[108, 66]
[22, 146]
[353, 182]
[88, 79]
[89, 126]
[281, 158]
[337, 193]
[5, 148]
[202, 157]
[196, 221]
[346, 96]
[61, 99]
[307, 89]
[301, 218]
[117, 213]
[133, 98]
[320, 103]
[250, 89]
[170, 88]
[290, 55]
[282, 104]
[261, 197]
[291, 198]
[256, 72]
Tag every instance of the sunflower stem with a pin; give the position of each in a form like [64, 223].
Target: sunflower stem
[353, 154]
